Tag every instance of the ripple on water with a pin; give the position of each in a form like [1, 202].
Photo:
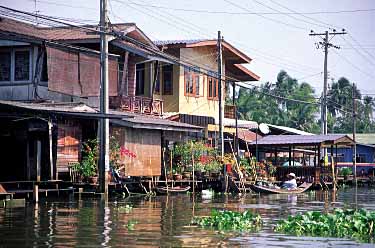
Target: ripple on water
[165, 221]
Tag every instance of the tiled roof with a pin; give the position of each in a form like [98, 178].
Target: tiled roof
[301, 139]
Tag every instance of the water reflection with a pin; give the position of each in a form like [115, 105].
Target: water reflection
[165, 221]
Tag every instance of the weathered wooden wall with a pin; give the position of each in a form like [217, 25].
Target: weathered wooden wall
[146, 145]
[69, 139]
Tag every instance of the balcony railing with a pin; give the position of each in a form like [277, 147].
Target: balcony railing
[230, 111]
[138, 104]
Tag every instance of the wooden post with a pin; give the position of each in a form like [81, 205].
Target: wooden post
[193, 163]
[38, 159]
[36, 193]
[28, 169]
[124, 79]
[50, 150]
[165, 170]
[290, 154]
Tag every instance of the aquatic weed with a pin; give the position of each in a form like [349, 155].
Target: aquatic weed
[342, 223]
[226, 220]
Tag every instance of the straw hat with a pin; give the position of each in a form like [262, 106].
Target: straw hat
[292, 175]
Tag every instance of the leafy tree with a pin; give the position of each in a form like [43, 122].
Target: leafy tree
[261, 105]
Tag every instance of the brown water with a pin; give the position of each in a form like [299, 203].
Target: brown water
[165, 221]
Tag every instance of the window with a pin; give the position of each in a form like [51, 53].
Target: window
[168, 80]
[5, 63]
[337, 158]
[192, 82]
[21, 65]
[361, 158]
[15, 65]
[140, 79]
[213, 88]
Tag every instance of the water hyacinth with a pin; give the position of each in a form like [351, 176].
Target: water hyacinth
[230, 220]
[349, 223]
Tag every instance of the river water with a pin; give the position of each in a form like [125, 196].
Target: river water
[164, 221]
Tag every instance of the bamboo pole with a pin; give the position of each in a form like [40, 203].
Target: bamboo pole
[248, 150]
[242, 184]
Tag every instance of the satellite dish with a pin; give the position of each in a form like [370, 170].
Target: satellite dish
[263, 128]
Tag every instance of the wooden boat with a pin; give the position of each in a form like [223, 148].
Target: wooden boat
[172, 190]
[269, 190]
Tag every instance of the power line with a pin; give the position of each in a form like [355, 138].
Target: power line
[358, 52]
[266, 17]
[289, 15]
[354, 66]
[206, 11]
[304, 15]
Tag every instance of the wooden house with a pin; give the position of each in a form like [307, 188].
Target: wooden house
[190, 95]
[49, 92]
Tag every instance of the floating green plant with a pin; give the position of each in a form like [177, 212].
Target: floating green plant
[230, 220]
[355, 224]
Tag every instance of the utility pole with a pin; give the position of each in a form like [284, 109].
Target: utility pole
[325, 44]
[354, 131]
[103, 122]
[221, 114]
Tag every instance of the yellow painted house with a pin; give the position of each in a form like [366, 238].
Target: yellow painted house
[189, 94]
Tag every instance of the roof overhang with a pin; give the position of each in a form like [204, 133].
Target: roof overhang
[230, 53]
[240, 73]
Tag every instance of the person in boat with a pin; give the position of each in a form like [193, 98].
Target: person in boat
[291, 183]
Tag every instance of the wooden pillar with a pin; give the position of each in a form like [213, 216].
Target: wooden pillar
[38, 159]
[315, 156]
[290, 155]
[28, 167]
[275, 162]
[38, 156]
[52, 171]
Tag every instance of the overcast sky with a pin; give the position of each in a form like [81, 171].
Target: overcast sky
[274, 42]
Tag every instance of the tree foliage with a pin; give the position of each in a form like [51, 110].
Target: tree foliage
[260, 104]
[269, 103]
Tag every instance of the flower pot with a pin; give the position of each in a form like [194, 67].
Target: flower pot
[177, 177]
[186, 174]
[93, 180]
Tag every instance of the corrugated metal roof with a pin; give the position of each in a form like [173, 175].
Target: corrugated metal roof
[364, 138]
[290, 130]
[133, 119]
[176, 42]
[241, 123]
[300, 139]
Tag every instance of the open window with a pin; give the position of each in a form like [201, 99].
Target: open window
[192, 82]
[168, 80]
[140, 79]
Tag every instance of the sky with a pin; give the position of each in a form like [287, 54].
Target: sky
[274, 41]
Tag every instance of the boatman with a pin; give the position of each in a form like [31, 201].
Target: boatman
[291, 183]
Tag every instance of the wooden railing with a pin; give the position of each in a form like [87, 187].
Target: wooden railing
[230, 111]
[138, 104]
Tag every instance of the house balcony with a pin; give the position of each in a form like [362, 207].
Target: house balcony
[137, 104]
[230, 111]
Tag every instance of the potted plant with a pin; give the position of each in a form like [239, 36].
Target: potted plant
[345, 172]
[89, 164]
